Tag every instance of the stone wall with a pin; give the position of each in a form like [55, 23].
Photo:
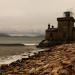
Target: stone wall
[53, 35]
[74, 35]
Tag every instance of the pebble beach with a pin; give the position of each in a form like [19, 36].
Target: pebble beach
[57, 60]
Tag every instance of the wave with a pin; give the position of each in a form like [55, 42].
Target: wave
[30, 44]
[10, 59]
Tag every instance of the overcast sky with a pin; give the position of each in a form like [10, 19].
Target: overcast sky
[23, 16]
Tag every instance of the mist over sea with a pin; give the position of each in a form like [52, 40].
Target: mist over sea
[9, 54]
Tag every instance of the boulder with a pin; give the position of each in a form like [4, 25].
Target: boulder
[33, 70]
[63, 72]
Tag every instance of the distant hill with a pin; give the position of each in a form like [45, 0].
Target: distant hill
[4, 35]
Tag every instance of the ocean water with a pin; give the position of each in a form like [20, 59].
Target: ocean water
[9, 54]
[19, 39]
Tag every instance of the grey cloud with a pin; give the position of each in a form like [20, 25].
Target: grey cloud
[23, 16]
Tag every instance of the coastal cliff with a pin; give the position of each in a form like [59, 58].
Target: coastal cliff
[58, 60]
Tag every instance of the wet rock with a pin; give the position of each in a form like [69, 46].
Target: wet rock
[33, 70]
[46, 72]
[40, 63]
[26, 71]
[3, 67]
[65, 63]
[46, 66]
[55, 71]
[39, 68]
[63, 72]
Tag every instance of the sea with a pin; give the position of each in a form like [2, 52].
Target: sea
[10, 54]
[21, 39]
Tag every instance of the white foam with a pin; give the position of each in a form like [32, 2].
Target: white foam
[28, 44]
[10, 59]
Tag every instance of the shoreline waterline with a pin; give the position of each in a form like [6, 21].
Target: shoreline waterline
[13, 58]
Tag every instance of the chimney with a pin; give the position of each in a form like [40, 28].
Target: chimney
[48, 26]
[52, 26]
[67, 14]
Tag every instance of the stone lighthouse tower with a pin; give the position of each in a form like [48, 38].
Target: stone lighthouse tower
[65, 26]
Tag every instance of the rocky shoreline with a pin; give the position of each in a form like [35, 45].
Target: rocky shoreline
[58, 60]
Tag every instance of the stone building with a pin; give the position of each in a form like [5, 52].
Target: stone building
[64, 31]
